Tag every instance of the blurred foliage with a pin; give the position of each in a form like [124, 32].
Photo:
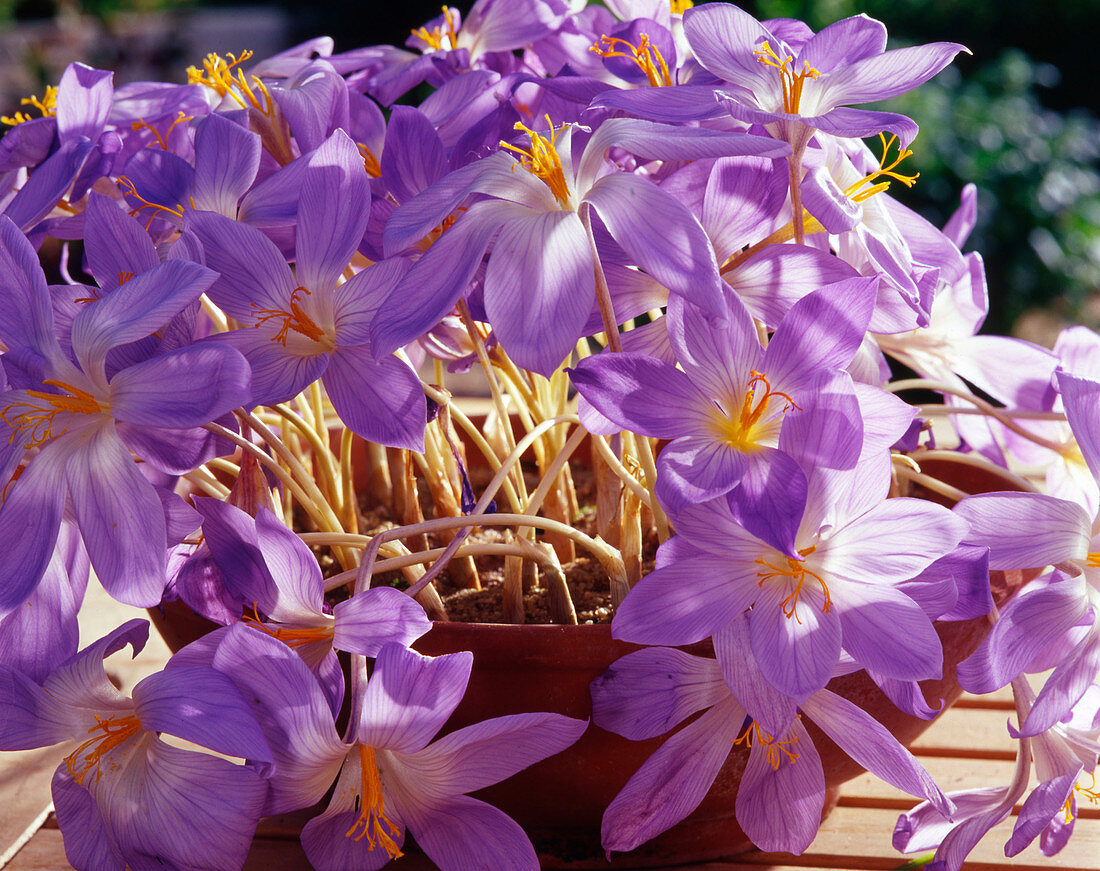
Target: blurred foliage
[1015, 124]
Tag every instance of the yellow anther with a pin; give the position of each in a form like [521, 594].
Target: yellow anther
[793, 82]
[795, 569]
[435, 37]
[887, 171]
[291, 637]
[756, 422]
[370, 163]
[679, 7]
[36, 421]
[107, 734]
[646, 56]
[296, 319]
[542, 159]
[775, 750]
[47, 106]
[372, 823]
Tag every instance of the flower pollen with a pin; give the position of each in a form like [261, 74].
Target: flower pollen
[795, 569]
[36, 422]
[107, 734]
[290, 636]
[645, 55]
[296, 319]
[757, 422]
[542, 159]
[371, 822]
[679, 7]
[775, 750]
[793, 83]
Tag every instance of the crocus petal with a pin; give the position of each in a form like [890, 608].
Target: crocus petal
[83, 101]
[639, 393]
[413, 157]
[227, 157]
[278, 374]
[293, 568]
[88, 843]
[81, 682]
[773, 710]
[32, 717]
[1039, 809]
[380, 400]
[1064, 688]
[332, 212]
[723, 39]
[114, 243]
[674, 250]
[873, 616]
[844, 42]
[26, 315]
[697, 469]
[1056, 530]
[409, 697]
[777, 276]
[200, 705]
[646, 693]
[376, 616]
[357, 300]
[142, 305]
[120, 518]
[49, 183]
[460, 833]
[183, 388]
[230, 535]
[779, 804]
[29, 522]
[673, 105]
[797, 653]
[685, 601]
[672, 782]
[889, 74]
[870, 744]
[1039, 614]
[1081, 397]
[861, 123]
[770, 498]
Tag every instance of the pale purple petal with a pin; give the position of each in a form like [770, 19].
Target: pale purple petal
[1064, 688]
[332, 212]
[743, 196]
[675, 104]
[413, 157]
[646, 693]
[870, 744]
[83, 101]
[81, 682]
[376, 616]
[773, 710]
[887, 75]
[114, 243]
[49, 183]
[1026, 530]
[356, 302]
[539, 288]
[861, 123]
[697, 469]
[873, 616]
[460, 833]
[1081, 397]
[779, 806]
[380, 400]
[844, 42]
[409, 697]
[1040, 807]
[672, 782]
[26, 315]
[293, 568]
[795, 653]
[227, 157]
[770, 498]
[723, 39]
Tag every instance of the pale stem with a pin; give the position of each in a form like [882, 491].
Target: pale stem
[603, 295]
[649, 466]
[207, 483]
[321, 452]
[930, 483]
[622, 472]
[987, 408]
[551, 473]
[938, 410]
[794, 161]
[347, 481]
[979, 462]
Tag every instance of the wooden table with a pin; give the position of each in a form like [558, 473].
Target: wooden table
[967, 747]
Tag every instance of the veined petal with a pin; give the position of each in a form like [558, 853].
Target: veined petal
[848, 122]
[1064, 688]
[723, 39]
[795, 653]
[120, 518]
[697, 469]
[460, 833]
[674, 250]
[1081, 397]
[873, 617]
[278, 374]
[782, 793]
[539, 288]
[81, 682]
[409, 697]
[844, 42]
[646, 693]
[114, 243]
[83, 101]
[771, 709]
[88, 843]
[332, 213]
[381, 400]
[26, 314]
[293, 568]
[770, 498]
[673, 105]
[672, 782]
[1026, 530]
[227, 157]
[886, 75]
[413, 157]
[375, 617]
[183, 388]
[870, 744]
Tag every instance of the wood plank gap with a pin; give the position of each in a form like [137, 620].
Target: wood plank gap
[985, 704]
[964, 753]
[826, 860]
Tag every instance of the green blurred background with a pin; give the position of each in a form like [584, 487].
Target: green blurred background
[1018, 118]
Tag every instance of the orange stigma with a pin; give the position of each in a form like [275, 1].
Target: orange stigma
[129, 190]
[885, 170]
[774, 749]
[107, 734]
[296, 319]
[797, 570]
[36, 421]
[371, 822]
[793, 83]
[290, 636]
[645, 55]
[542, 159]
[756, 422]
[370, 162]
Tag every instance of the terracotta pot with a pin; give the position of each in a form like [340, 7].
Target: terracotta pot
[560, 802]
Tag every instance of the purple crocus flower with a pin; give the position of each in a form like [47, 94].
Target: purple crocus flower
[70, 409]
[539, 285]
[300, 326]
[396, 777]
[781, 794]
[724, 411]
[124, 797]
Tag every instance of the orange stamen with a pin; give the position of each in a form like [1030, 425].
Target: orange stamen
[162, 141]
[774, 749]
[797, 570]
[793, 83]
[645, 55]
[291, 637]
[854, 190]
[434, 37]
[296, 319]
[129, 190]
[542, 160]
[112, 732]
[37, 421]
[47, 106]
[371, 822]
[370, 162]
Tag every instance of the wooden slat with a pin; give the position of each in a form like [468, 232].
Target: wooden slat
[24, 790]
[974, 733]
